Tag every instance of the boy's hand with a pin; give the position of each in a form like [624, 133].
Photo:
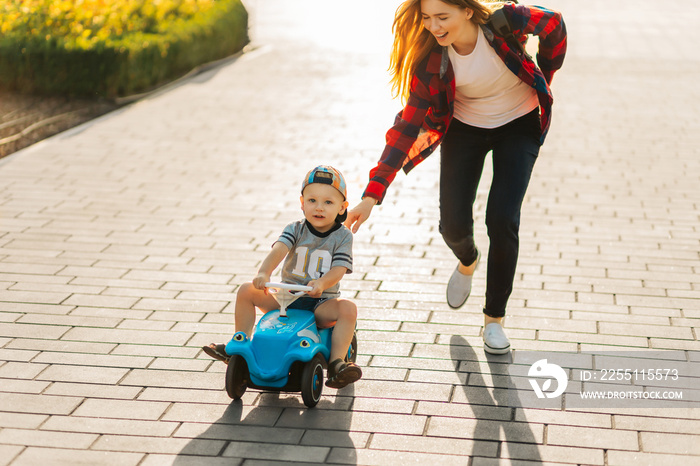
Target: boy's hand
[260, 280]
[317, 289]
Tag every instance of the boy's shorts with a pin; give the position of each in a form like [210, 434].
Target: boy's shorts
[307, 303]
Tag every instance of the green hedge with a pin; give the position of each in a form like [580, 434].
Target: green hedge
[127, 65]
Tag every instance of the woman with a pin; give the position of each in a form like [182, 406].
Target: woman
[473, 91]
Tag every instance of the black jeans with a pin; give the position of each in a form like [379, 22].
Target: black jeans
[515, 147]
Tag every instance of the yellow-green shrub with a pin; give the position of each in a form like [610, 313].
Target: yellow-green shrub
[112, 47]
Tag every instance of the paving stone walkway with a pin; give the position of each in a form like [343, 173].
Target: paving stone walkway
[122, 244]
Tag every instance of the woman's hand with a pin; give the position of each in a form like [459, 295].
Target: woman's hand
[360, 213]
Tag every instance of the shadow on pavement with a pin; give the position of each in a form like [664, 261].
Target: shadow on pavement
[296, 433]
[489, 405]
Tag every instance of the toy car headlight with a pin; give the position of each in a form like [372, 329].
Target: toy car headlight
[304, 343]
[239, 336]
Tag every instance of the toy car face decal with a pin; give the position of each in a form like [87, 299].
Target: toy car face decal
[284, 328]
[276, 324]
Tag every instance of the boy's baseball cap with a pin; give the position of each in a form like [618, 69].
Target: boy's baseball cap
[325, 174]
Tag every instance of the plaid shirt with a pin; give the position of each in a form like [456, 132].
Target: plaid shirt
[421, 125]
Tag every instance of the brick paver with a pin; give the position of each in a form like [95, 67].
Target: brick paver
[122, 244]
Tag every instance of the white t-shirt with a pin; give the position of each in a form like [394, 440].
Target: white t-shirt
[488, 94]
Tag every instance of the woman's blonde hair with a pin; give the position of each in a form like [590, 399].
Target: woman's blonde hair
[412, 42]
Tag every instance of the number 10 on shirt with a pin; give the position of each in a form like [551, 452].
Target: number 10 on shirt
[315, 265]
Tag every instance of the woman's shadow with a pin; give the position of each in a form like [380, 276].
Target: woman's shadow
[278, 428]
[496, 409]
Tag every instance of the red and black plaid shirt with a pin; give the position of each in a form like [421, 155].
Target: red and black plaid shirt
[421, 125]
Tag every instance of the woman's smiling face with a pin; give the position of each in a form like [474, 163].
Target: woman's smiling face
[448, 23]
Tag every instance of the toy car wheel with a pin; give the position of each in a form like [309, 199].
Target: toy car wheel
[312, 381]
[352, 350]
[236, 377]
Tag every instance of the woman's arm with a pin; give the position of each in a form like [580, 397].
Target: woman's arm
[401, 140]
[548, 26]
[408, 141]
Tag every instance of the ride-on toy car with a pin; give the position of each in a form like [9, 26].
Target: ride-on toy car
[286, 352]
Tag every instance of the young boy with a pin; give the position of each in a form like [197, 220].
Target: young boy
[318, 252]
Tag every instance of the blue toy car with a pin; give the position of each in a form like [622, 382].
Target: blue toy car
[285, 353]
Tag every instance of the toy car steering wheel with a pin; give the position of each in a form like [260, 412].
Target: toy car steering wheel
[286, 294]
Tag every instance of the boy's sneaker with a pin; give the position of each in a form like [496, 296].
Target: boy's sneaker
[341, 373]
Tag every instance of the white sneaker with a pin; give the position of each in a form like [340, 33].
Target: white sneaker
[460, 286]
[495, 339]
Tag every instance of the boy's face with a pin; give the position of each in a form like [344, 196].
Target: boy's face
[321, 204]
